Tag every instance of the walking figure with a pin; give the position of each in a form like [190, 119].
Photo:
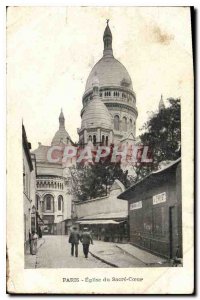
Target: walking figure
[33, 242]
[74, 240]
[86, 239]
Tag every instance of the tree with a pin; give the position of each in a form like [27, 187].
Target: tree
[94, 180]
[163, 136]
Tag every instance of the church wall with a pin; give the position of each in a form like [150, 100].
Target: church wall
[67, 206]
[96, 206]
[47, 169]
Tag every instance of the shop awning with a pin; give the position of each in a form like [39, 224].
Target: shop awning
[107, 216]
[98, 222]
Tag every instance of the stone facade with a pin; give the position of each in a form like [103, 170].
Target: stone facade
[53, 199]
[115, 91]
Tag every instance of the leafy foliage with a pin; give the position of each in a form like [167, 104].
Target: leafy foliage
[163, 133]
[94, 180]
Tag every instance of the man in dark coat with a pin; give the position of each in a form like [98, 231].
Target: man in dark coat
[74, 240]
[86, 239]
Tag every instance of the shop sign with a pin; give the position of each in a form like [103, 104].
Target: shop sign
[159, 198]
[136, 205]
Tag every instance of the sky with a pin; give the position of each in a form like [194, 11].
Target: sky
[51, 51]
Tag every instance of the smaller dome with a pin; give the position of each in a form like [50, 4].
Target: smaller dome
[96, 115]
[61, 136]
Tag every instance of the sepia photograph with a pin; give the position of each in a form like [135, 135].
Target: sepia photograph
[100, 110]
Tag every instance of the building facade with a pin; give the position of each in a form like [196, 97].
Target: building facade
[108, 117]
[29, 189]
[115, 90]
[53, 199]
[155, 211]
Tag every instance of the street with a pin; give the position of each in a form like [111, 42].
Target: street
[55, 252]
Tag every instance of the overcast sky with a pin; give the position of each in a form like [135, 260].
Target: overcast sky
[51, 51]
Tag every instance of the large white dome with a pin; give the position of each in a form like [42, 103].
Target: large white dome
[110, 72]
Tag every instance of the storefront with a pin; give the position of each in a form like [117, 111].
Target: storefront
[49, 227]
[106, 217]
[107, 230]
[155, 211]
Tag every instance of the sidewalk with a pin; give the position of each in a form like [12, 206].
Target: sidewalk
[109, 253]
[30, 261]
[125, 255]
[142, 255]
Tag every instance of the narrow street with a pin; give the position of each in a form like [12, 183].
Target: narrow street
[55, 252]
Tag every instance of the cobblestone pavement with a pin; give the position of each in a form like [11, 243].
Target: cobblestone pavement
[55, 253]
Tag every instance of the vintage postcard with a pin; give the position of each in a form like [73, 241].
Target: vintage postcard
[100, 112]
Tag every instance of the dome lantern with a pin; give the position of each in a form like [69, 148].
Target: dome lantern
[61, 120]
[107, 39]
[161, 104]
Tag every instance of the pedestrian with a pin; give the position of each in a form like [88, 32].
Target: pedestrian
[39, 232]
[86, 239]
[33, 244]
[74, 241]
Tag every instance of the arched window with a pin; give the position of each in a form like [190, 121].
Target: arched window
[124, 124]
[49, 202]
[107, 141]
[103, 139]
[100, 94]
[90, 138]
[94, 140]
[60, 202]
[116, 122]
